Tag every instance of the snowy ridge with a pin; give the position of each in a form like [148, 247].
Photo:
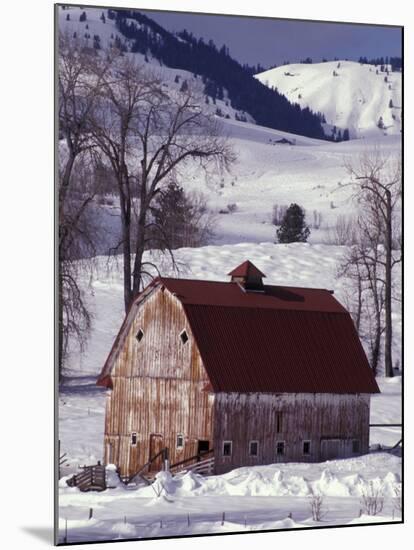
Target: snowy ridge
[355, 99]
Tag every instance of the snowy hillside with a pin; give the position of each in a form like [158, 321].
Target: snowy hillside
[355, 98]
[97, 24]
[307, 171]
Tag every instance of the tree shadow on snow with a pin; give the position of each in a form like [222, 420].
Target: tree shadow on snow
[80, 385]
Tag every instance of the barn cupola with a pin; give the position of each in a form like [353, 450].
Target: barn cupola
[248, 277]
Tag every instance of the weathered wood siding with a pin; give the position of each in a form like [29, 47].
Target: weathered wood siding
[292, 418]
[159, 389]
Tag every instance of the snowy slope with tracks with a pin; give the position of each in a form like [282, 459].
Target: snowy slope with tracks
[355, 99]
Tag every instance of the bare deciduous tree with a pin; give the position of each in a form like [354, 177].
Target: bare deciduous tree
[343, 232]
[77, 89]
[125, 94]
[378, 180]
[372, 500]
[78, 239]
[398, 504]
[316, 505]
[362, 269]
[149, 136]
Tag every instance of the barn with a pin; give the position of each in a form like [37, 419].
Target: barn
[242, 371]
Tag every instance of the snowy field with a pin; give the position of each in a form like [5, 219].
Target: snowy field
[273, 497]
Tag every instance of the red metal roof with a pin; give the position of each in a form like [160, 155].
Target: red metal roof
[282, 340]
[268, 350]
[245, 269]
[216, 293]
[286, 339]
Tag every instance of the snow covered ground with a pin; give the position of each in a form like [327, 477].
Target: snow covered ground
[277, 496]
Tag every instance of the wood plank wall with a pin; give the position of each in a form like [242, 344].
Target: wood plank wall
[159, 387]
[241, 418]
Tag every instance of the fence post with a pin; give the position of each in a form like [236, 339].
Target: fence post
[223, 518]
[65, 540]
[166, 460]
[188, 520]
[90, 513]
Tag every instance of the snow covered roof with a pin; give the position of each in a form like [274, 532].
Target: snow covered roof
[281, 340]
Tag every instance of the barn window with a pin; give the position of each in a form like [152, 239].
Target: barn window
[279, 422]
[253, 448]
[184, 336]
[306, 447]
[180, 441]
[355, 446]
[140, 335]
[134, 439]
[280, 448]
[227, 448]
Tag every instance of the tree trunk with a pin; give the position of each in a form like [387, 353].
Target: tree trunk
[388, 288]
[64, 183]
[139, 251]
[376, 346]
[60, 329]
[359, 306]
[126, 244]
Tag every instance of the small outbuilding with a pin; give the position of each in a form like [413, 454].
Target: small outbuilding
[248, 372]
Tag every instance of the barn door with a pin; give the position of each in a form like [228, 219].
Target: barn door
[330, 449]
[156, 444]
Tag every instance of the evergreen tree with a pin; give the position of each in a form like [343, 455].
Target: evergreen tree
[390, 104]
[103, 18]
[380, 123]
[68, 17]
[184, 86]
[293, 228]
[345, 136]
[179, 219]
[82, 16]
